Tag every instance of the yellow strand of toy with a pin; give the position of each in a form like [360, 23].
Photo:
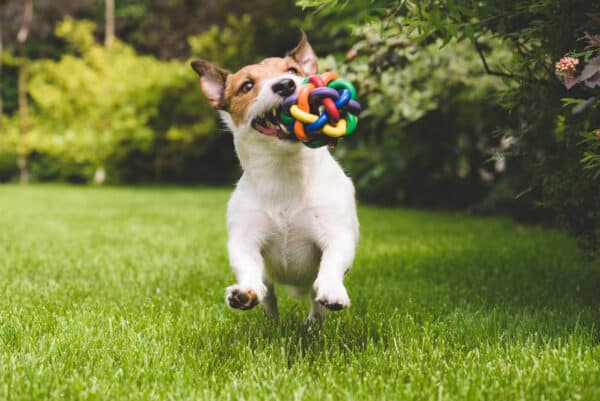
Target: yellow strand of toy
[330, 130]
[335, 131]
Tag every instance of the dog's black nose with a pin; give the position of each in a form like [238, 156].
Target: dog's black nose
[285, 87]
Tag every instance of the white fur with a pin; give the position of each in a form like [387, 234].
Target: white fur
[292, 217]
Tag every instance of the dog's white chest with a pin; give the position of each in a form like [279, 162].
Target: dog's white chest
[291, 204]
[290, 253]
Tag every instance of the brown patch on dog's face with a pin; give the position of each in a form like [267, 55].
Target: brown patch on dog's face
[242, 88]
[212, 81]
[236, 92]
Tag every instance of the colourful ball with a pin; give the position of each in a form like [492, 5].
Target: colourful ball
[324, 110]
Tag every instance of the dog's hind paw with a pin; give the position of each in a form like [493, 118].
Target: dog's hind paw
[242, 298]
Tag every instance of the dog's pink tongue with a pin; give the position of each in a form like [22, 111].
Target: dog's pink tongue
[265, 130]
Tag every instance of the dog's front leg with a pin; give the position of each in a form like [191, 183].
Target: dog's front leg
[244, 248]
[338, 254]
[247, 265]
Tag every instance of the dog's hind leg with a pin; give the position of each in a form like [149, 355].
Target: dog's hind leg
[317, 312]
[270, 303]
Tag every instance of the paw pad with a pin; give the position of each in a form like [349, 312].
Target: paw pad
[332, 306]
[242, 299]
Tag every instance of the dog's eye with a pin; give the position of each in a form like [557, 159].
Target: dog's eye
[293, 70]
[247, 86]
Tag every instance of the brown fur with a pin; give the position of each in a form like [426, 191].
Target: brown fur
[235, 100]
[224, 89]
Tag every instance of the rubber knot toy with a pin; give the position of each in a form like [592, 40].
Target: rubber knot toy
[324, 110]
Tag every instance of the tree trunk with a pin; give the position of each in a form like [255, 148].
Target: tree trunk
[1, 95]
[23, 122]
[99, 175]
[23, 111]
[109, 34]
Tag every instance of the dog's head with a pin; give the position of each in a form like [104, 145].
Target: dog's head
[249, 99]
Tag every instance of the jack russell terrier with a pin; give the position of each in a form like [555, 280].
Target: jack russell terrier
[292, 217]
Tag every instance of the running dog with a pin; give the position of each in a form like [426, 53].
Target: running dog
[292, 217]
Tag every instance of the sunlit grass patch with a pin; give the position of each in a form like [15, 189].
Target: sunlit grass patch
[113, 293]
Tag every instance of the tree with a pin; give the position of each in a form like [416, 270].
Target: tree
[23, 108]
[142, 119]
[420, 141]
[551, 152]
[109, 36]
[1, 65]
[109, 32]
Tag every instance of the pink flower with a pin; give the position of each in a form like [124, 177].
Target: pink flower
[566, 66]
[351, 54]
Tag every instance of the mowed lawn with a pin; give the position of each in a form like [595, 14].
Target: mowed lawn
[118, 294]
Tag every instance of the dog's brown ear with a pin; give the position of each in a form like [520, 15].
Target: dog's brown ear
[304, 55]
[212, 81]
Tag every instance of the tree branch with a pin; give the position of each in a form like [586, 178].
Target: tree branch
[485, 64]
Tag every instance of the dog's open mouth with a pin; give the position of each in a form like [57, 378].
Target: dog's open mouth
[268, 123]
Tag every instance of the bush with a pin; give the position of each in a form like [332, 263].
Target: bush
[422, 139]
[551, 152]
[8, 166]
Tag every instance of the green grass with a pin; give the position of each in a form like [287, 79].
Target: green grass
[116, 294]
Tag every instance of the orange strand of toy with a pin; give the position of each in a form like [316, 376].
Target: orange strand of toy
[328, 76]
[304, 106]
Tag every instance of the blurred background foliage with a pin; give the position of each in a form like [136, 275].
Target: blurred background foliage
[464, 109]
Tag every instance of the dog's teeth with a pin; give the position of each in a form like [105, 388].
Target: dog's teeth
[283, 128]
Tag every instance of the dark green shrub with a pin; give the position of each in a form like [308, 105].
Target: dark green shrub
[8, 166]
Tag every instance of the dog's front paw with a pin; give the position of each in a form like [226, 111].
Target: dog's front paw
[331, 295]
[244, 298]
